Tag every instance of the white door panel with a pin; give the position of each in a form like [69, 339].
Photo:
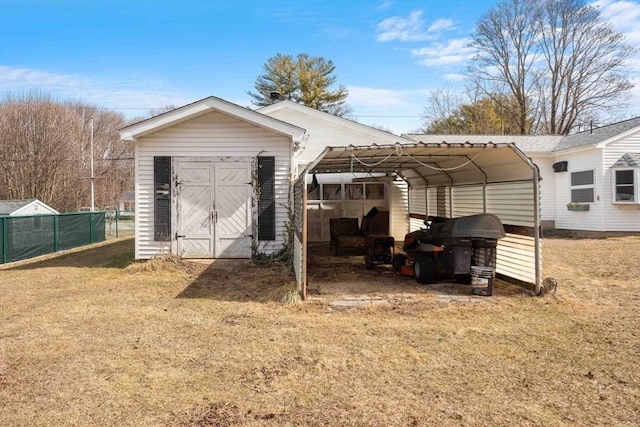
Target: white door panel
[233, 209]
[214, 209]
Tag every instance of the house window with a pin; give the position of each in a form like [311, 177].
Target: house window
[582, 188]
[625, 186]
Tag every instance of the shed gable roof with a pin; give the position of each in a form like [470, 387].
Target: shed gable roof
[205, 106]
[8, 207]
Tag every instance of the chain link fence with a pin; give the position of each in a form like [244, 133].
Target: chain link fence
[23, 237]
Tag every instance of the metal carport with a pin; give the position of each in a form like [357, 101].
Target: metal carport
[450, 180]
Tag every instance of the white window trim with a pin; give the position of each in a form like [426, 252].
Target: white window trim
[592, 186]
[636, 185]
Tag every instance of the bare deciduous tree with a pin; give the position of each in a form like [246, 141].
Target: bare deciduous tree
[584, 59]
[557, 58]
[45, 152]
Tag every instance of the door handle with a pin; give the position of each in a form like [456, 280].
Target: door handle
[214, 216]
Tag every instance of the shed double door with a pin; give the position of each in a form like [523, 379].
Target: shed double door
[214, 209]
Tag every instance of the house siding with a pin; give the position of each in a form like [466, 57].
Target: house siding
[591, 220]
[214, 135]
[618, 217]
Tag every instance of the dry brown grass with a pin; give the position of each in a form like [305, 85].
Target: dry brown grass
[88, 340]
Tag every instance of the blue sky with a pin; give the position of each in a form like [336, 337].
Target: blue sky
[133, 55]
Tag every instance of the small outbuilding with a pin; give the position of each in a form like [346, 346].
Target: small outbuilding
[25, 207]
[216, 180]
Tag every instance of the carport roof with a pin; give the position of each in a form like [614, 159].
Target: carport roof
[431, 164]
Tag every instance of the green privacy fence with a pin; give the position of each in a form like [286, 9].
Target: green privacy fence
[23, 237]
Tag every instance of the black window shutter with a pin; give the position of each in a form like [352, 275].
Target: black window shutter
[266, 201]
[162, 198]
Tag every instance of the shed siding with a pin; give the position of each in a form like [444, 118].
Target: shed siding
[213, 135]
[619, 217]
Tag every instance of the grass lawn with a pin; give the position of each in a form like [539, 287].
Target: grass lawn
[87, 338]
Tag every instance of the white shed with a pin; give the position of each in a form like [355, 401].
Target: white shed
[25, 207]
[211, 181]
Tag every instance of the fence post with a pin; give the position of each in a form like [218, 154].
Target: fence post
[55, 233]
[117, 215]
[4, 240]
[90, 227]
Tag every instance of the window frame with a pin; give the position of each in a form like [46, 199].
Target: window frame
[636, 186]
[591, 186]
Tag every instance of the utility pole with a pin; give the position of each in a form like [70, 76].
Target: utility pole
[93, 208]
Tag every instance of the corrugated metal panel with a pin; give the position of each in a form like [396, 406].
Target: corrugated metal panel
[415, 224]
[467, 200]
[512, 202]
[418, 200]
[399, 209]
[516, 257]
[217, 136]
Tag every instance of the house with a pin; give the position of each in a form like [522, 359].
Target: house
[590, 180]
[25, 207]
[216, 180]
[127, 201]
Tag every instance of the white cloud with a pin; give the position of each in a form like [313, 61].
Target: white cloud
[451, 52]
[623, 15]
[375, 97]
[385, 4]
[454, 77]
[411, 28]
[135, 95]
[441, 25]
[403, 29]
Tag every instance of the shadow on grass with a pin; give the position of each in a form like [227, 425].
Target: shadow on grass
[114, 254]
[238, 280]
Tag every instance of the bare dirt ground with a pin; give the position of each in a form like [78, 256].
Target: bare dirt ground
[90, 338]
